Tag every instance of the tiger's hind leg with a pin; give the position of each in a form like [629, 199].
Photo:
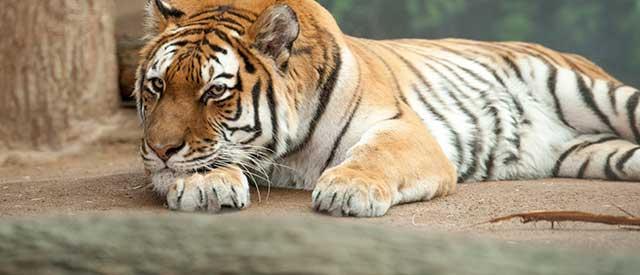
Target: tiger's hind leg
[588, 102]
[605, 157]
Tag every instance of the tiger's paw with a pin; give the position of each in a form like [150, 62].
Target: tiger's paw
[210, 192]
[351, 193]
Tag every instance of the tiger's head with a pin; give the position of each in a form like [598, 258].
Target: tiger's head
[211, 87]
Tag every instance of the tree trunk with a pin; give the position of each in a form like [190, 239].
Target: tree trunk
[128, 57]
[58, 73]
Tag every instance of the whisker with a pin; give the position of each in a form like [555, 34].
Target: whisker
[257, 162]
[254, 181]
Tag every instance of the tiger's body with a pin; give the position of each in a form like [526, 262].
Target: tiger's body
[364, 124]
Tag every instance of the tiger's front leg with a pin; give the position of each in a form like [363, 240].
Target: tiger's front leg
[210, 192]
[396, 162]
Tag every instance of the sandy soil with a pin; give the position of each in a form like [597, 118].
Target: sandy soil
[110, 179]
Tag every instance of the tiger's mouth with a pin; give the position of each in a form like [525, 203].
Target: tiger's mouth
[210, 167]
[204, 169]
[248, 158]
[200, 165]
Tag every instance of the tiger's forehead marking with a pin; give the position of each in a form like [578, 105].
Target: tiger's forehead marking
[219, 65]
[224, 63]
[161, 61]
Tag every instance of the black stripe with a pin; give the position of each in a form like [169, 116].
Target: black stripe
[516, 123]
[216, 10]
[563, 157]
[625, 158]
[500, 49]
[490, 165]
[222, 35]
[354, 110]
[430, 108]
[527, 49]
[552, 84]
[257, 128]
[497, 133]
[238, 113]
[143, 147]
[477, 142]
[256, 103]
[612, 96]
[466, 70]
[481, 64]
[326, 93]
[588, 98]
[395, 80]
[248, 66]
[577, 148]
[583, 169]
[233, 22]
[221, 20]
[487, 104]
[168, 12]
[608, 169]
[632, 106]
[180, 43]
[225, 76]
[417, 73]
[457, 142]
[214, 47]
[231, 27]
[226, 9]
[273, 109]
[162, 41]
[483, 92]
[344, 130]
[242, 16]
[513, 67]
[197, 159]
[573, 65]
[600, 141]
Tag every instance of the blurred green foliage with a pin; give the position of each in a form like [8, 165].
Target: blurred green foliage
[605, 31]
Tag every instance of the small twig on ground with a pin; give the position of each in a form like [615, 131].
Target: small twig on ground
[624, 211]
[141, 186]
[568, 216]
[413, 220]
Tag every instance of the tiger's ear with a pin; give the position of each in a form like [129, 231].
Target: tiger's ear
[161, 14]
[274, 32]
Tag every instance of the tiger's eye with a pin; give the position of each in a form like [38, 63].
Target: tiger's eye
[214, 92]
[218, 90]
[158, 84]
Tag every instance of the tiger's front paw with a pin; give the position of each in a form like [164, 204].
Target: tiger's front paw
[210, 192]
[348, 192]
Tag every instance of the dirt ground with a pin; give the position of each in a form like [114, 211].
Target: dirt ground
[109, 180]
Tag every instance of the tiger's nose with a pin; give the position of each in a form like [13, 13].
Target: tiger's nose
[165, 152]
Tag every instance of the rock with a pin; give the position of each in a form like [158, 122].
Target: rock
[200, 244]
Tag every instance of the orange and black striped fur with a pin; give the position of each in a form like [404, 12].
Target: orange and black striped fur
[272, 91]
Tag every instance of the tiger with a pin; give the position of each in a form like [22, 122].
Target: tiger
[233, 93]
